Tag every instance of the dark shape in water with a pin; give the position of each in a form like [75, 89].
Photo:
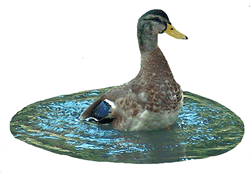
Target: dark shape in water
[100, 113]
[204, 128]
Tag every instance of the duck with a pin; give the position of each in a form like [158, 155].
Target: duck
[153, 99]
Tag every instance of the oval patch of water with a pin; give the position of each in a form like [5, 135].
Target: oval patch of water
[204, 128]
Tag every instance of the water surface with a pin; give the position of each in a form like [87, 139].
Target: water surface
[204, 128]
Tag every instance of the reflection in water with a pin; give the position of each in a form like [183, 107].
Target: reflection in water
[204, 128]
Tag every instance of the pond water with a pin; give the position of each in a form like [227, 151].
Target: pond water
[204, 128]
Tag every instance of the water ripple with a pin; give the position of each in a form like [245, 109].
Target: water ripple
[203, 128]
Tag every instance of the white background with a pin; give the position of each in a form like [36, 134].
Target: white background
[49, 48]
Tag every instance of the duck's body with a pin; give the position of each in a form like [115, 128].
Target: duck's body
[153, 99]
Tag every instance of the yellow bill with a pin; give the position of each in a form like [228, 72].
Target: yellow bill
[174, 33]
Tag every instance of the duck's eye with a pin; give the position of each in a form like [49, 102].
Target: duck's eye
[171, 28]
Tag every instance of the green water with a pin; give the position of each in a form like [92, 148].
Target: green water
[204, 128]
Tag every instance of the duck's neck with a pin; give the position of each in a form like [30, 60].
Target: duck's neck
[148, 41]
[154, 60]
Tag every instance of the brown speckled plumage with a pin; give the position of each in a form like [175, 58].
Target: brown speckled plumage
[153, 91]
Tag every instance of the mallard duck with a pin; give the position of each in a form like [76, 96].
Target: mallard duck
[153, 99]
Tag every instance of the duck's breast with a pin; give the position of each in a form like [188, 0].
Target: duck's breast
[149, 120]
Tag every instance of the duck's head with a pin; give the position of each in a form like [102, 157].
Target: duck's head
[151, 24]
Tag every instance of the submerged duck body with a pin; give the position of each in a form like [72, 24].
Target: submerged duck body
[153, 99]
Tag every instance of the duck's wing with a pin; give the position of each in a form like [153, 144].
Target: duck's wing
[89, 110]
[112, 95]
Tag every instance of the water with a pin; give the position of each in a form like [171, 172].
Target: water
[204, 128]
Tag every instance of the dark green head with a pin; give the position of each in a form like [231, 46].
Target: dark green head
[150, 25]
